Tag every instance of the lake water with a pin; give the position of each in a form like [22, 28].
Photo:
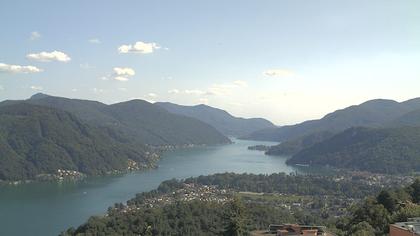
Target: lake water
[49, 208]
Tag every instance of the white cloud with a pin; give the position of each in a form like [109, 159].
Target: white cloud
[49, 56]
[36, 88]
[121, 78]
[279, 73]
[74, 90]
[123, 73]
[194, 91]
[35, 35]
[174, 91]
[152, 95]
[138, 47]
[94, 40]
[18, 69]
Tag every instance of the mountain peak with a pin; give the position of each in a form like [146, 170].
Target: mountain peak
[39, 96]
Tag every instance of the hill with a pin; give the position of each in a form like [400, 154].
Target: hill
[373, 113]
[137, 119]
[236, 204]
[409, 119]
[383, 150]
[36, 141]
[291, 147]
[220, 119]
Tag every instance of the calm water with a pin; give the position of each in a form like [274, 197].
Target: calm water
[49, 208]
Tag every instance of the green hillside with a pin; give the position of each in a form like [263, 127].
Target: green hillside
[373, 113]
[220, 119]
[36, 140]
[137, 119]
[385, 150]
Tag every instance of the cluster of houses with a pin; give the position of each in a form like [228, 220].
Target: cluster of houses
[189, 192]
[68, 174]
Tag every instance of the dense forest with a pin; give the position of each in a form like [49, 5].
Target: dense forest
[240, 213]
[373, 215]
[294, 146]
[137, 119]
[384, 150]
[36, 140]
[45, 134]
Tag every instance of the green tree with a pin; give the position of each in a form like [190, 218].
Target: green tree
[374, 214]
[414, 190]
[387, 200]
[236, 225]
[362, 229]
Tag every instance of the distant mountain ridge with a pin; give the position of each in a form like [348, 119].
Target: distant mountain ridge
[137, 119]
[218, 118]
[373, 113]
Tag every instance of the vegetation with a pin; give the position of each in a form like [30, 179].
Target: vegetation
[220, 119]
[373, 216]
[240, 214]
[36, 140]
[294, 146]
[137, 119]
[374, 113]
[391, 150]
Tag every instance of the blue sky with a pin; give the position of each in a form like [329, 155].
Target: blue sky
[287, 61]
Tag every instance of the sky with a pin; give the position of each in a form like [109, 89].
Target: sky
[284, 60]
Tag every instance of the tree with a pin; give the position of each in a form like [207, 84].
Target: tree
[374, 214]
[362, 229]
[414, 190]
[387, 200]
[236, 225]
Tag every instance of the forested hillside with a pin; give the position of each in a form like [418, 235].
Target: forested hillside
[37, 141]
[373, 113]
[390, 150]
[220, 119]
[235, 204]
[137, 119]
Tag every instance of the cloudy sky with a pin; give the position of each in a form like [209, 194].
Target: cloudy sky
[285, 60]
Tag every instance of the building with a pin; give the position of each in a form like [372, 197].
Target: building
[409, 228]
[294, 230]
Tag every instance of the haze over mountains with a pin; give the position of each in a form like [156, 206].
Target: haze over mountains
[373, 113]
[220, 119]
[377, 136]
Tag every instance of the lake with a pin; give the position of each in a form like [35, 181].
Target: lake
[49, 208]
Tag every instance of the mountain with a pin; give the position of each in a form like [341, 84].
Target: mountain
[220, 119]
[409, 119]
[37, 140]
[373, 113]
[384, 150]
[137, 119]
[291, 147]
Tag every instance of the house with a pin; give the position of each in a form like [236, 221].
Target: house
[295, 229]
[409, 228]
